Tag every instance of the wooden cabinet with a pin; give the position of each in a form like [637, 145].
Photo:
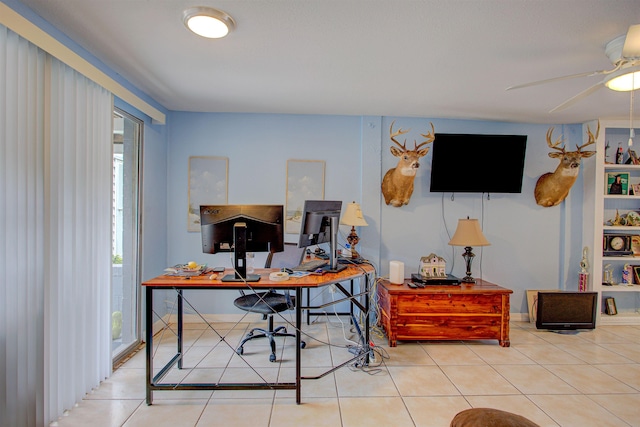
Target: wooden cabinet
[465, 312]
[600, 208]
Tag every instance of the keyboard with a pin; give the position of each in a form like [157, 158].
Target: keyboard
[312, 265]
[342, 260]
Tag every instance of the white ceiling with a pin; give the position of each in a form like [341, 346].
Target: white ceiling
[420, 58]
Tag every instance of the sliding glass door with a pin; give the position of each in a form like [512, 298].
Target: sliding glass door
[125, 293]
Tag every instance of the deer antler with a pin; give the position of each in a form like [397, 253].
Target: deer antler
[393, 135]
[591, 139]
[554, 145]
[429, 137]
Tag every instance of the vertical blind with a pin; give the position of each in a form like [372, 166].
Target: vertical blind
[21, 228]
[55, 261]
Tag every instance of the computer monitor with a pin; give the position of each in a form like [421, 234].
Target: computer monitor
[320, 219]
[241, 229]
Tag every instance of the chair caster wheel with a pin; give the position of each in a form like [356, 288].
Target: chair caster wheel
[303, 344]
[272, 358]
[240, 350]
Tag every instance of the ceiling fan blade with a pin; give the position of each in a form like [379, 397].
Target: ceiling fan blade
[631, 48]
[578, 97]
[555, 79]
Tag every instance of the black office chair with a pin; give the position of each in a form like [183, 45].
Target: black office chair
[270, 302]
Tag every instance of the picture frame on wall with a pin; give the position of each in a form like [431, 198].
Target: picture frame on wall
[208, 178]
[617, 183]
[305, 181]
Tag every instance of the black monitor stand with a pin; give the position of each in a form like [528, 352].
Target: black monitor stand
[333, 266]
[240, 256]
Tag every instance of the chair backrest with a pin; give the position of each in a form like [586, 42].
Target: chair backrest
[289, 258]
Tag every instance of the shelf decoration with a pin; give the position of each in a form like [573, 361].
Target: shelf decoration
[610, 306]
[630, 219]
[583, 277]
[635, 245]
[617, 183]
[607, 275]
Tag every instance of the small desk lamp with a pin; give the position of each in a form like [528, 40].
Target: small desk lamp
[353, 217]
[468, 234]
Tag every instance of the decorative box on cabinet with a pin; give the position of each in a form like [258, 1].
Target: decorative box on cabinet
[466, 312]
[600, 208]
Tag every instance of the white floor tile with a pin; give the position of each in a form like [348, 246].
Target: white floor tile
[588, 379]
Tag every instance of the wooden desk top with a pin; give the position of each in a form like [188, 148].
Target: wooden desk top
[310, 281]
[480, 286]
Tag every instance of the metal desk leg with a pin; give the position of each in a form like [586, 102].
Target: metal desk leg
[298, 342]
[180, 327]
[149, 343]
[366, 318]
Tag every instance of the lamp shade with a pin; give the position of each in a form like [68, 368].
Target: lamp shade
[468, 233]
[353, 216]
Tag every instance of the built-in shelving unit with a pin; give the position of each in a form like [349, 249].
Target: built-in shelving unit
[600, 209]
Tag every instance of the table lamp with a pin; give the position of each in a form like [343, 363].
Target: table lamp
[468, 234]
[353, 217]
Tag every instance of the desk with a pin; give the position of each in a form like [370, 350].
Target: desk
[471, 311]
[179, 284]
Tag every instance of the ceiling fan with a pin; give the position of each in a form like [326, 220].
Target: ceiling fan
[624, 53]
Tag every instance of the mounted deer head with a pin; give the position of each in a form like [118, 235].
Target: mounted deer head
[553, 188]
[397, 184]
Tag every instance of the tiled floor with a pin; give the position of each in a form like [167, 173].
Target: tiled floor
[587, 379]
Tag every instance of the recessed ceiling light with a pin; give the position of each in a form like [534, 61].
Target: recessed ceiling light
[208, 22]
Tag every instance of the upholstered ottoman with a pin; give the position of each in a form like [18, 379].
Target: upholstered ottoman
[487, 417]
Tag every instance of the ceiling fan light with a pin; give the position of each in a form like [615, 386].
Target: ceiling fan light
[208, 22]
[625, 82]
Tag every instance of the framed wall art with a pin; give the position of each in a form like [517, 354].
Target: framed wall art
[208, 185]
[305, 181]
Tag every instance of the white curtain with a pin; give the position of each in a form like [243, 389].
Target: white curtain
[21, 228]
[77, 226]
[55, 261]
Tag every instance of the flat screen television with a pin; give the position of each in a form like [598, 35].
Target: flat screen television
[320, 222]
[241, 229]
[562, 311]
[475, 163]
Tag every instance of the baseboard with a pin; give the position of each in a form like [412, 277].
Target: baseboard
[519, 317]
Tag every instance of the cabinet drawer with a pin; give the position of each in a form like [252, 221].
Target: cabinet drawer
[450, 303]
[449, 327]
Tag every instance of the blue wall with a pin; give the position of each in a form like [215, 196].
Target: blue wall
[531, 247]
